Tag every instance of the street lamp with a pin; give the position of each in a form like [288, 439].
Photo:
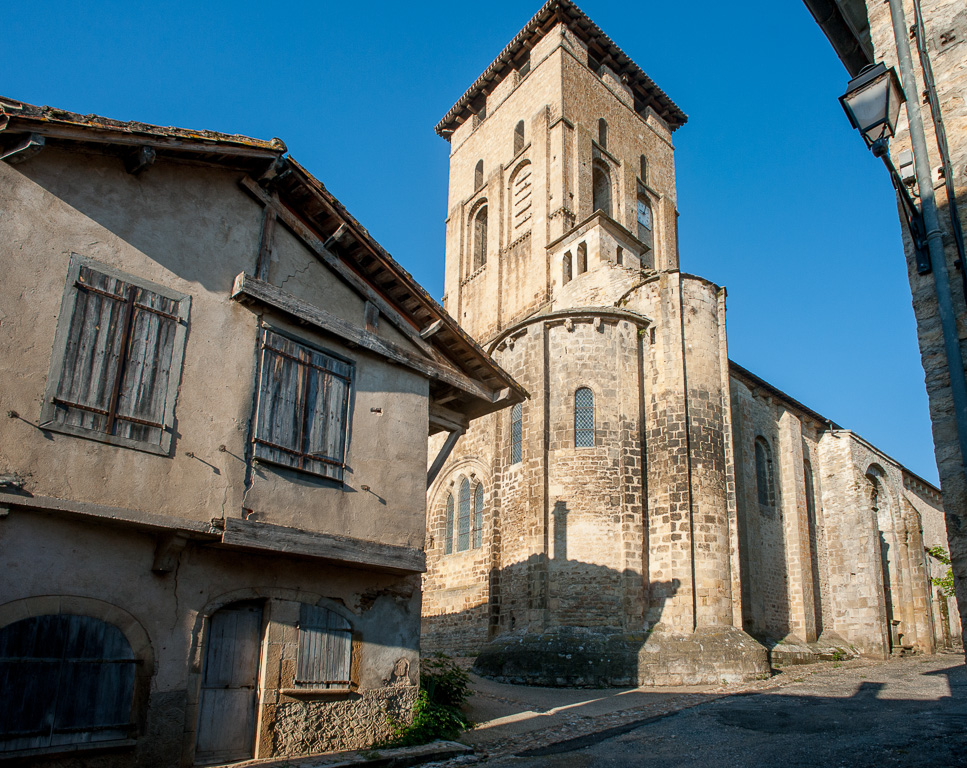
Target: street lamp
[872, 104]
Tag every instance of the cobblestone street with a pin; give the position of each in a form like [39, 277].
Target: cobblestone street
[910, 711]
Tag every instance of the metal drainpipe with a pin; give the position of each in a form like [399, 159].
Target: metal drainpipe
[931, 222]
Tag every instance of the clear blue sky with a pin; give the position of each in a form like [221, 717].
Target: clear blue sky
[779, 199]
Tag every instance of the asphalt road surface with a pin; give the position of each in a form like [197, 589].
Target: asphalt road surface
[906, 712]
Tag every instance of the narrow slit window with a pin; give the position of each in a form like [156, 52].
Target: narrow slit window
[643, 169]
[463, 519]
[478, 507]
[480, 238]
[448, 532]
[584, 418]
[478, 176]
[603, 133]
[519, 138]
[516, 433]
[566, 268]
[582, 258]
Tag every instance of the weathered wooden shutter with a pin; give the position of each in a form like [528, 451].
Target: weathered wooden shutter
[64, 680]
[303, 407]
[325, 648]
[120, 348]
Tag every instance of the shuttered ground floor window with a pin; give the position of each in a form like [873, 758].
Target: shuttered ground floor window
[303, 407]
[64, 680]
[325, 649]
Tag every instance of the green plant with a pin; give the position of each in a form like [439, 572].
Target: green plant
[945, 582]
[838, 655]
[444, 687]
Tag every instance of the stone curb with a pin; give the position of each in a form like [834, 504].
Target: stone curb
[399, 757]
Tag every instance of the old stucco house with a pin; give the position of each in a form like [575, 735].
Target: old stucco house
[216, 395]
[654, 513]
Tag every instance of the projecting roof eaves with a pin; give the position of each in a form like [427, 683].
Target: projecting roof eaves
[586, 29]
[309, 200]
[59, 123]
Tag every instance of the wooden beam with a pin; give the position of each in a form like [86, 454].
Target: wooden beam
[25, 150]
[308, 237]
[248, 287]
[266, 238]
[432, 328]
[446, 419]
[339, 549]
[442, 456]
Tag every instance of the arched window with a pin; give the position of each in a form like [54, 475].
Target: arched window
[448, 533]
[463, 518]
[478, 176]
[520, 190]
[643, 169]
[518, 137]
[516, 433]
[582, 258]
[584, 418]
[644, 220]
[603, 133]
[566, 268]
[478, 501]
[601, 189]
[325, 648]
[480, 238]
[764, 477]
[64, 679]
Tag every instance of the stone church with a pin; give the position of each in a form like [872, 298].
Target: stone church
[653, 513]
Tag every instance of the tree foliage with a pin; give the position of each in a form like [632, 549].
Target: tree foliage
[945, 582]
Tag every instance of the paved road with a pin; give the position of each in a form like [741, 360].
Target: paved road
[908, 712]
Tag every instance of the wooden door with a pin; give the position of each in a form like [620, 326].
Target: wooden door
[229, 691]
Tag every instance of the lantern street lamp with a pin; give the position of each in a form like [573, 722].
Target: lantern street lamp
[872, 103]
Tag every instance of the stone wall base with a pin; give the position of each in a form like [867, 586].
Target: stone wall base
[577, 657]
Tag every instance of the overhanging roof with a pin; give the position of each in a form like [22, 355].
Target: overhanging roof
[846, 24]
[308, 199]
[598, 42]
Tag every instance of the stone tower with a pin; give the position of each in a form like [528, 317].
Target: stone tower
[593, 523]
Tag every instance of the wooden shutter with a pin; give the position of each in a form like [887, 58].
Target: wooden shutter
[303, 407]
[325, 648]
[118, 354]
[64, 680]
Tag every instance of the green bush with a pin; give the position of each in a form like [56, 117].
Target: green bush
[945, 582]
[444, 687]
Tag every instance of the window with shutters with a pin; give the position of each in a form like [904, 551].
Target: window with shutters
[448, 533]
[117, 358]
[478, 500]
[516, 433]
[64, 680]
[303, 407]
[325, 648]
[584, 418]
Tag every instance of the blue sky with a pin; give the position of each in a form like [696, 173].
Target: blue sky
[779, 199]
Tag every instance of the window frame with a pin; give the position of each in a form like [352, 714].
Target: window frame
[464, 515]
[584, 408]
[62, 336]
[516, 441]
[350, 379]
[478, 514]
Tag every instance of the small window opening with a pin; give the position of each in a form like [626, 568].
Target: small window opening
[480, 238]
[601, 190]
[519, 138]
[643, 170]
[584, 418]
[478, 175]
[582, 258]
[603, 133]
[620, 257]
[463, 519]
[448, 533]
[478, 502]
[516, 433]
[566, 268]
